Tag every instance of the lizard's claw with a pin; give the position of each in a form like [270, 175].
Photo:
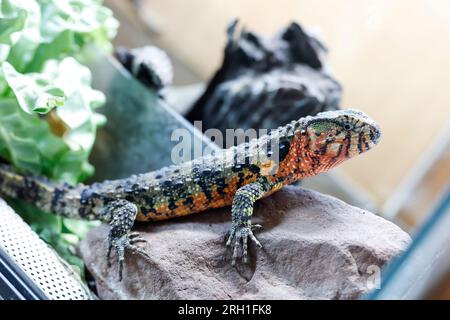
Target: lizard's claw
[125, 242]
[241, 234]
[256, 227]
[136, 237]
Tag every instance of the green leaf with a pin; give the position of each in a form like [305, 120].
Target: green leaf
[27, 40]
[12, 21]
[34, 92]
[78, 227]
[62, 46]
[69, 26]
[47, 225]
[70, 238]
[17, 131]
[48, 121]
[28, 142]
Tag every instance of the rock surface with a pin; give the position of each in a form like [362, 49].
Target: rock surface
[315, 247]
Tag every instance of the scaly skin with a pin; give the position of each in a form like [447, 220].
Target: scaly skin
[238, 176]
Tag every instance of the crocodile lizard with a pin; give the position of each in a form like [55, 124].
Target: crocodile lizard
[237, 176]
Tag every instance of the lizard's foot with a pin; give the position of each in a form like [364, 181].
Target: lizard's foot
[121, 215]
[125, 242]
[238, 235]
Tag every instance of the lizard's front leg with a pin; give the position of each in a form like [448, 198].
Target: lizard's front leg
[242, 211]
[121, 215]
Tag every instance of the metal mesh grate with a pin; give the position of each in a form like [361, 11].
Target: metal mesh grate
[37, 259]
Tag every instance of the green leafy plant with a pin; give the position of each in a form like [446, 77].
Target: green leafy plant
[48, 121]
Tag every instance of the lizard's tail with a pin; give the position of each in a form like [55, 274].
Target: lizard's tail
[35, 190]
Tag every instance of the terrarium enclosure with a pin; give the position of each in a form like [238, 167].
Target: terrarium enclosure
[104, 104]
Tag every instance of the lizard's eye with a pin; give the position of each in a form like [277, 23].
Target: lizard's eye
[348, 127]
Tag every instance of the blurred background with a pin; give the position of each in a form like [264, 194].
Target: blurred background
[391, 57]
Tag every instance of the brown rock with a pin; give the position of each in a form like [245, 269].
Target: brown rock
[315, 247]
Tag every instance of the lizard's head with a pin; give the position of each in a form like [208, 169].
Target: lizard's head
[334, 136]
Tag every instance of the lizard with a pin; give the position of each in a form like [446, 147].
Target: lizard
[237, 176]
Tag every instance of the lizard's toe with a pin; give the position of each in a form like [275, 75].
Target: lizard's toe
[239, 237]
[136, 239]
[230, 238]
[253, 238]
[256, 227]
[134, 234]
[137, 250]
[108, 254]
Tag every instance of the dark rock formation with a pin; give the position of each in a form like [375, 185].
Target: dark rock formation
[267, 82]
[315, 247]
[150, 65]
